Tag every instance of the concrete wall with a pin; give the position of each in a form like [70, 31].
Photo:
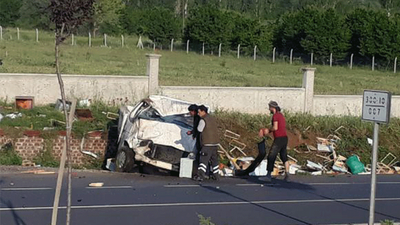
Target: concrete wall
[128, 89]
[346, 105]
[45, 87]
[243, 99]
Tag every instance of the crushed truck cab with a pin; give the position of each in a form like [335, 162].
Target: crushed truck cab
[154, 131]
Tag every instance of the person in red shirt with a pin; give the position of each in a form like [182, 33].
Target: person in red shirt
[279, 145]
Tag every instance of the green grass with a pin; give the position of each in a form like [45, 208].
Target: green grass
[178, 68]
[8, 156]
[353, 134]
[44, 116]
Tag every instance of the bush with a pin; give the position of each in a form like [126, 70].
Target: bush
[314, 31]
[209, 25]
[159, 24]
[8, 156]
[212, 26]
[374, 33]
[248, 33]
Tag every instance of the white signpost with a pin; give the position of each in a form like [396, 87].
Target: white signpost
[376, 108]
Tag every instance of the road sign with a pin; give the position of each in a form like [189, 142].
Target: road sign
[376, 106]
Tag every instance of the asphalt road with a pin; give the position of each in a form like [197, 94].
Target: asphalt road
[137, 199]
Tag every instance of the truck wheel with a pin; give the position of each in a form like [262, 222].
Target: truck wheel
[125, 159]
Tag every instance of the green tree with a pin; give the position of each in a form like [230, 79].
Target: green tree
[250, 32]
[34, 14]
[209, 25]
[313, 30]
[161, 25]
[326, 33]
[107, 15]
[374, 34]
[9, 12]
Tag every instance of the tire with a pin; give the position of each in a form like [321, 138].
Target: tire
[125, 159]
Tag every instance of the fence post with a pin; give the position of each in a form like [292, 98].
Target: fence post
[1, 33]
[187, 47]
[291, 56]
[273, 55]
[312, 58]
[140, 43]
[203, 48]
[153, 63]
[373, 63]
[255, 53]
[395, 65]
[154, 46]
[90, 39]
[37, 35]
[17, 33]
[219, 50]
[122, 40]
[72, 39]
[238, 51]
[330, 60]
[308, 85]
[351, 61]
[172, 44]
[105, 40]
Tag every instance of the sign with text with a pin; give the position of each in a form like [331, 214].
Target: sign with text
[376, 106]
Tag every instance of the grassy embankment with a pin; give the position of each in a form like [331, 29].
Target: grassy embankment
[179, 68]
[303, 129]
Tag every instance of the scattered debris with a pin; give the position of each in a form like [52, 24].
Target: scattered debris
[111, 115]
[99, 184]
[24, 102]
[39, 172]
[87, 152]
[355, 165]
[85, 102]
[261, 170]
[370, 141]
[340, 165]
[84, 114]
[13, 115]
[60, 106]
[397, 169]
[186, 168]
[293, 168]
[110, 165]
[57, 123]
[234, 144]
[314, 166]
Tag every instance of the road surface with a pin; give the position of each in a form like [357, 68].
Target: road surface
[145, 199]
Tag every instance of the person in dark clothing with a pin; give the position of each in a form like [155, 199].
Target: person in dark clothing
[209, 145]
[196, 119]
[279, 145]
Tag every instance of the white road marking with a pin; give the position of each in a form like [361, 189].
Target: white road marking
[181, 185]
[255, 185]
[330, 184]
[26, 189]
[201, 204]
[111, 187]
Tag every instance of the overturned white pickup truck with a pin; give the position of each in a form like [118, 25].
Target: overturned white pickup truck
[154, 132]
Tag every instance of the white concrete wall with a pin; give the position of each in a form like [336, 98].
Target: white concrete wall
[45, 87]
[346, 105]
[242, 99]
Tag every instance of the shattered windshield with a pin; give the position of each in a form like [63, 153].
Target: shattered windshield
[183, 120]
